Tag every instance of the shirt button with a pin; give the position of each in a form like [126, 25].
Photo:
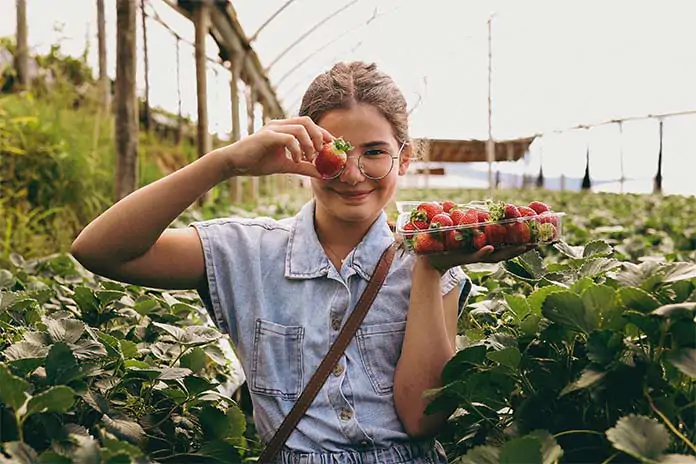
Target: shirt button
[346, 414]
[335, 323]
[338, 370]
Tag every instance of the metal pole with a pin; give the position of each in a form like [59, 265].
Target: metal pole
[490, 147]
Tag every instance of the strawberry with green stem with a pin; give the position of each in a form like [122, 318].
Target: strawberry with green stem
[332, 158]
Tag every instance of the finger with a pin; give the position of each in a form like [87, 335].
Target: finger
[306, 168]
[292, 146]
[301, 134]
[318, 134]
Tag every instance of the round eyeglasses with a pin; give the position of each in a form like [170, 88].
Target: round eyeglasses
[375, 164]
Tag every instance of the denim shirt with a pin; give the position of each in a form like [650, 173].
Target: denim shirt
[275, 292]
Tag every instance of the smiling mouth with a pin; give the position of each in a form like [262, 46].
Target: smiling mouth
[354, 195]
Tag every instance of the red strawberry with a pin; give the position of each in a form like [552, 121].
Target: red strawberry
[518, 233]
[548, 218]
[454, 240]
[483, 216]
[479, 240]
[447, 206]
[427, 243]
[417, 225]
[495, 234]
[441, 220]
[526, 211]
[511, 211]
[332, 157]
[539, 207]
[461, 217]
[425, 211]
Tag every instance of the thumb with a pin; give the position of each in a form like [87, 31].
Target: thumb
[306, 168]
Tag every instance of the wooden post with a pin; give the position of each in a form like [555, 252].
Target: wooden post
[201, 21]
[251, 116]
[22, 53]
[657, 181]
[104, 84]
[490, 146]
[126, 100]
[146, 70]
[270, 182]
[234, 183]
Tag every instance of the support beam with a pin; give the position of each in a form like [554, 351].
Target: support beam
[234, 184]
[202, 25]
[251, 128]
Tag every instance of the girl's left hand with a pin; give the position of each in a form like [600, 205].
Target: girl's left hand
[487, 254]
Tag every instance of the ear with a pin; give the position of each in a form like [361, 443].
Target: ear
[405, 159]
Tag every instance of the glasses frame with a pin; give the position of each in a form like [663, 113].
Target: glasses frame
[360, 166]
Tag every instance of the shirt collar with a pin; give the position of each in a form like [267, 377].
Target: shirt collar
[305, 257]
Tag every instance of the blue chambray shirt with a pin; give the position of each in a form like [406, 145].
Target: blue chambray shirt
[274, 290]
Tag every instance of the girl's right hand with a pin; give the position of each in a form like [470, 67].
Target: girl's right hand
[281, 146]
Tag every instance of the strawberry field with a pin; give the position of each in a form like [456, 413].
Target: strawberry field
[582, 351]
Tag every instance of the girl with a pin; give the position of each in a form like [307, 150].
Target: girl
[282, 289]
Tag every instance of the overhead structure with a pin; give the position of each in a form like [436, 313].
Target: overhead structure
[469, 151]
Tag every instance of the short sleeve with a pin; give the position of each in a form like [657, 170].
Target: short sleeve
[456, 278]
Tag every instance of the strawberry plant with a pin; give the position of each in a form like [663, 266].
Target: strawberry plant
[95, 371]
[586, 359]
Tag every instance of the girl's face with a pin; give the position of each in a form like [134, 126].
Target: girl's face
[352, 197]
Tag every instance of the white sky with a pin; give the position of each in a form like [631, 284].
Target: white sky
[555, 64]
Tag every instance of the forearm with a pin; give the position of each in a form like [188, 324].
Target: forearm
[426, 349]
[131, 226]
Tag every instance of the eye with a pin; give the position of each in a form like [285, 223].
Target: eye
[374, 152]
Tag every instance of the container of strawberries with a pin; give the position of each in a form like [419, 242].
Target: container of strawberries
[445, 226]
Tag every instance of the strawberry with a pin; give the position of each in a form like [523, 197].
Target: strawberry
[548, 218]
[511, 211]
[479, 240]
[427, 243]
[547, 232]
[495, 234]
[447, 206]
[483, 216]
[332, 157]
[539, 207]
[526, 211]
[425, 211]
[461, 217]
[441, 220]
[417, 225]
[518, 233]
[454, 240]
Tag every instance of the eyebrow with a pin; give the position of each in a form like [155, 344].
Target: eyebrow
[376, 143]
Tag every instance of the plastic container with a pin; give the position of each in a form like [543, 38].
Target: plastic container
[545, 228]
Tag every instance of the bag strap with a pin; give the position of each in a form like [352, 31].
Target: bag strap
[332, 357]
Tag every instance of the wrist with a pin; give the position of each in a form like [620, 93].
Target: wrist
[428, 266]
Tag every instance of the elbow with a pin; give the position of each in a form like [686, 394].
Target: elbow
[416, 422]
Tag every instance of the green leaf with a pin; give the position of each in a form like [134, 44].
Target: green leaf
[85, 299]
[13, 390]
[676, 459]
[25, 350]
[214, 423]
[174, 373]
[536, 299]
[55, 399]
[574, 252]
[129, 349]
[587, 378]
[195, 360]
[639, 436]
[597, 266]
[145, 307]
[88, 349]
[19, 453]
[523, 449]
[220, 451]
[679, 271]
[637, 299]
[481, 455]
[7, 280]
[676, 311]
[107, 296]
[87, 451]
[509, 357]
[684, 359]
[566, 308]
[463, 361]
[528, 266]
[596, 248]
[604, 346]
[124, 429]
[601, 300]
[550, 450]
[61, 365]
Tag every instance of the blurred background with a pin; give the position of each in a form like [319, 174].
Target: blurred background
[586, 86]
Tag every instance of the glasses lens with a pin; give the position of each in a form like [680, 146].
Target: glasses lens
[376, 166]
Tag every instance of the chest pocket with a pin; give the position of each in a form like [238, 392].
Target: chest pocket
[380, 348]
[276, 368]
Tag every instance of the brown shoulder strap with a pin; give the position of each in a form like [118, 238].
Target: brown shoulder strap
[332, 357]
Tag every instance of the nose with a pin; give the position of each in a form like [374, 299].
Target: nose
[351, 172]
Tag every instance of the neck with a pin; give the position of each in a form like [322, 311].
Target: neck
[339, 236]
